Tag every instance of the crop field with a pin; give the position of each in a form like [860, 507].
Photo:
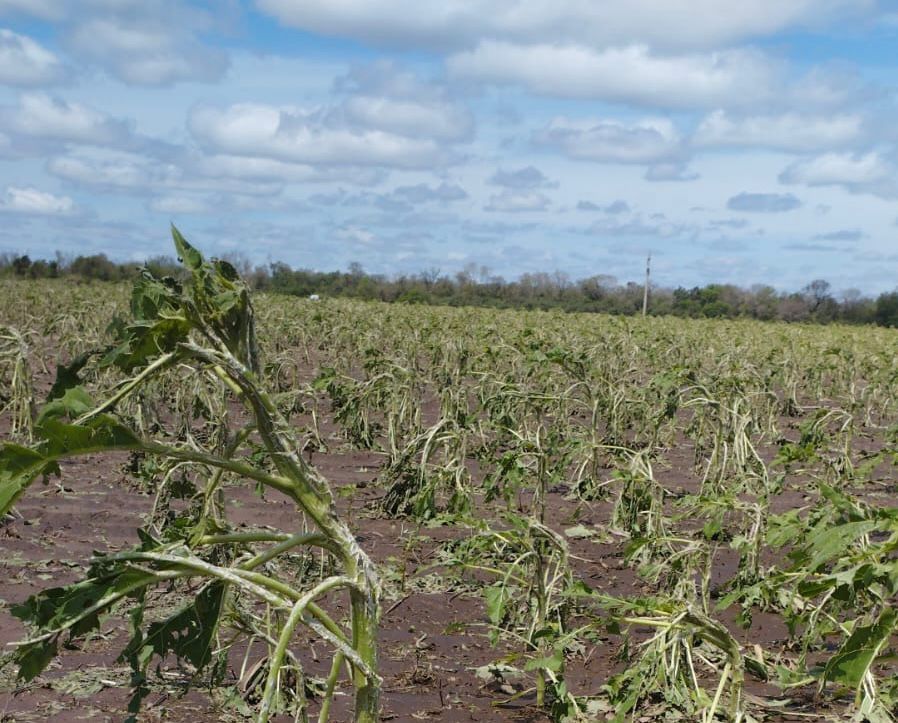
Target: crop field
[221, 506]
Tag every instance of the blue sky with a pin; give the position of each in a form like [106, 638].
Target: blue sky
[740, 142]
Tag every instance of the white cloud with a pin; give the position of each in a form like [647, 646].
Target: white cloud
[441, 121]
[136, 173]
[42, 116]
[383, 96]
[23, 62]
[526, 177]
[870, 172]
[300, 136]
[630, 74]
[517, 201]
[153, 44]
[787, 132]
[676, 23]
[108, 169]
[142, 55]
[29, 200]
[607, 140]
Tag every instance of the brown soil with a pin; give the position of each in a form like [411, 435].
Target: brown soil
[430, 642]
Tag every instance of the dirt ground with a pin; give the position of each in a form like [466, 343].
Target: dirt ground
[431, 642]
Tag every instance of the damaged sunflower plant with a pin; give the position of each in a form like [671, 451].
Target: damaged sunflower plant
[236, 581]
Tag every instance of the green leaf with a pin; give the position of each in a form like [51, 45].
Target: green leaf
[32, 659]
[188, 633]
[61, 609]
[554, 662]
[496, 596]
[71, 403]
[67, 375]
[189, 256]
[147, 340]
[859, 652]
[100, 433]
[829, 542]
[55, 609]
[153, 298]
[19, 467]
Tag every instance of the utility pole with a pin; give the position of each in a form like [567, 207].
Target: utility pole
[645, 291]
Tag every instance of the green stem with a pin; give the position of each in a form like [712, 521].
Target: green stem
[295, 618]
[331, 683]
[129, 386]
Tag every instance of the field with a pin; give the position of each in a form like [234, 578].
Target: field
[536, 516]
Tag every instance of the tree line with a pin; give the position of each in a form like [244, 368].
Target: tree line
[476, 286]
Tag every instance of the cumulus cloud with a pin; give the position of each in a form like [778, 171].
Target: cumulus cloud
[139, 43]
[300, 136]
[631, 74]
[153, 44]
[872, 172]
[43, 118]
[763, 202]
[787, 131]
[384, 96]
[430, 23]
[136, 174]
[441, 121]
[24, 62]
[526, 177]
[517, 201]
[387, 118]
[613, 141]
[27, 200]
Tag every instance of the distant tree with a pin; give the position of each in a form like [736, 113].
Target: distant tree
[429, 276]
[886, 312]
[817, 293]
[856, 308]
[21, 265]
[793, 307]
[98, 267]
[761, 302]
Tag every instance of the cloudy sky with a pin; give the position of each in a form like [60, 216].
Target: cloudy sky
[740, 141]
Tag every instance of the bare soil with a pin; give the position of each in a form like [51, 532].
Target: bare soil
[431, 641]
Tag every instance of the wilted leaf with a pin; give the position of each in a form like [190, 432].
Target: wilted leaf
[851, 663]
[19, 467]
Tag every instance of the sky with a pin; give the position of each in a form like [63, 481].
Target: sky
[737, 141]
